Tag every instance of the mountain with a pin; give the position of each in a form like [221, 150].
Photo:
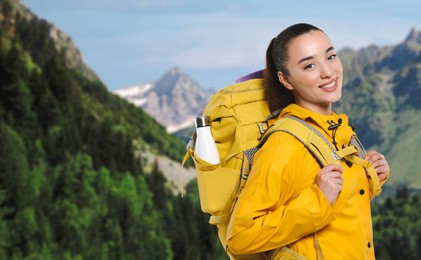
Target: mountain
[382, 96]
[84, 174]
[174, 100]
[48, 54]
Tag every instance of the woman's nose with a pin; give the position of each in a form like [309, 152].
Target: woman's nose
[326, 71]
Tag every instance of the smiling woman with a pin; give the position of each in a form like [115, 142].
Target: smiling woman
[316, 79]
[292, 206]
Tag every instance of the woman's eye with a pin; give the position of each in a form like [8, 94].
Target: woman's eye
[332, 57]
[309, 66]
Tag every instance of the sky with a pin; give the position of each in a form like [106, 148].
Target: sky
[131, 42]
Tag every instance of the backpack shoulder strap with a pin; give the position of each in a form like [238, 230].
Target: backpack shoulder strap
[356, 142]
[323, 151]
[312, 139]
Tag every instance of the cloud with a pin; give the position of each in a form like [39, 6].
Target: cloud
[211, 40]
[121, 38]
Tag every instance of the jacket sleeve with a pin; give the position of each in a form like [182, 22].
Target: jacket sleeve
[281, 202]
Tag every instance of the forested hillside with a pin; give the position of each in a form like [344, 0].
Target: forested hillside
[72, 185]
[382, 95]
[72, 181]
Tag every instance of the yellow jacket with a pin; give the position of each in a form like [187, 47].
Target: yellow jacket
[281, 204]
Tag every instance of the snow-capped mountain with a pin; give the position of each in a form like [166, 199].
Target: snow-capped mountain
[174, 100]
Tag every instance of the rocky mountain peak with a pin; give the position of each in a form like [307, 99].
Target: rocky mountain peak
[405, 52]
[61, 42]
[175, 80]
[414, 36]
[174, 100]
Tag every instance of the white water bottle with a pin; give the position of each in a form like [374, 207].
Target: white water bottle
[205, 146]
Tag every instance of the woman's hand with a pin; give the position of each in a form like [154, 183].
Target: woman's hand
[329, 180]
[379, 163]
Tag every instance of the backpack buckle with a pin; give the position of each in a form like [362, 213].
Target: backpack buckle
[245, 173]
[261, 130]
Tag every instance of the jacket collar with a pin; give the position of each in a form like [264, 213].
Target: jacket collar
[321, 122]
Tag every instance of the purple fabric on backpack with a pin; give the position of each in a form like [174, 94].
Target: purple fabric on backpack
[254, 75]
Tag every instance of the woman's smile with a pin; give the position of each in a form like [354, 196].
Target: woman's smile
[330, 86]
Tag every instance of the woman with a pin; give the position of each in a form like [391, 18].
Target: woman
[289, 200]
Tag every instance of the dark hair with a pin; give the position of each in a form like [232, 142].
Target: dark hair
[277, 95]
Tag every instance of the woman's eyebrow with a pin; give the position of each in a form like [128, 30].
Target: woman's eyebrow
[329, 49]
[311, 57]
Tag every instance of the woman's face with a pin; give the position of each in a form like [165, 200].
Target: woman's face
[315, 72]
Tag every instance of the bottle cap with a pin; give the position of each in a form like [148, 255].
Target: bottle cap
[202, 121]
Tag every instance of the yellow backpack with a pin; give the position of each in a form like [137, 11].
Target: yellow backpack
[240, 123]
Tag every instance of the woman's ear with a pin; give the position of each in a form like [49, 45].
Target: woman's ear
[284, 80]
